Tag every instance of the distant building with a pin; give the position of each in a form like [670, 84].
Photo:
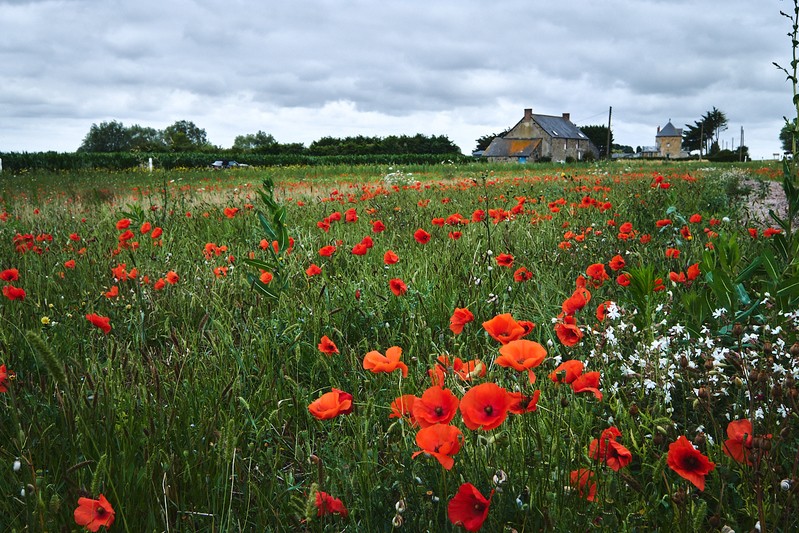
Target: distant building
[669, 141]
[541, 136]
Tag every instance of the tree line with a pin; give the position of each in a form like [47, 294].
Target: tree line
[185, 136]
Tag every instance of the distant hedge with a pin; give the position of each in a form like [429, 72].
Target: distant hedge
[70, 161]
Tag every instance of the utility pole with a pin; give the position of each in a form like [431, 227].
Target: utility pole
[701, 139]
[610, 112]
[741, 154]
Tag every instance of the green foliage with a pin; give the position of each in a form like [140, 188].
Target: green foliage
[704, 133]
[598, 134]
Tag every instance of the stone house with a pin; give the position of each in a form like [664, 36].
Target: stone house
[669, 141]
[541, 136]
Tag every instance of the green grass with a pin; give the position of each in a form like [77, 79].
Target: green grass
[192, 414]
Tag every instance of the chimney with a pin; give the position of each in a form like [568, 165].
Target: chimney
[528, 113]
[566, 117]
[658, 129]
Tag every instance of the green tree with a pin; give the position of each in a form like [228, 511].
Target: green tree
[786, 135]
[107, 137]
[146, 139]
[185, 136]
[599, 136]
[705, 132]
[256, 143]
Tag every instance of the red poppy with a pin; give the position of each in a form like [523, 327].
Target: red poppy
[368, 242]
[663, 223]
[522, 274]
[454, 235]
[567, 371]
[376, 362]
[441, 441]
[602, 310]
[521, 403]
[466, 370]
[689, 462]
[567, 331]
[693, 272]
[92, 514]
[4, 378]
[421, 236]
[265, 277]
[390, 258]
[327, 346]
[145, 228]
[9, 274]
[460, 317]
[579, 298]
[616, 263]
[740, 441]
[672, 253]
[102, 322]
[505, 260]
[597, 273]
[313, 270]
[504, 328]
[123, 224]
[331, 404]
[402, 407]
[230, 212]
[160, 284]
[327, 251]
[478, 215]
[351, 215]
[359, 249]
[522, 355]
[378, 226]
[468, 508]
[582, 480]
[695, 218]
[677, 278]
[623, 280]
[13, 293]
[157, 232]
[436, 405]
[612, 453]
[397, 286]
[113, 292]
[327, 504]
[485, 406]
[588, 382]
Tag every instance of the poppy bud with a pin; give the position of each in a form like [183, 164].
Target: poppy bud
[709, 364]
[683, 362]
[658, 439]
[776, 391]
[679, 497]
[737, 329]
[700, 439]
[634, 410]
[767, 347]
[357, 294]
[794, 349]
[703, 393]
[753, 375]
[564, 402]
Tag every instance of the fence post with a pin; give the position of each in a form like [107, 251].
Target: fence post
[1, 165]
[150, 164]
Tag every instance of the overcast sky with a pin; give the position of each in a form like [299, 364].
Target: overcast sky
[304, 69]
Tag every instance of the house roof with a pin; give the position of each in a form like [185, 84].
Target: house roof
[669, 131]
[559, 127]
[502, 147]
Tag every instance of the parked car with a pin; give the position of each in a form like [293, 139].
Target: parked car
[224, 163]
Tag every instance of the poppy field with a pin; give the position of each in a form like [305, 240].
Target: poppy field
[439, 348]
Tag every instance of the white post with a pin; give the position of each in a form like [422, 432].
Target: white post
[1, 165]
[150, 164]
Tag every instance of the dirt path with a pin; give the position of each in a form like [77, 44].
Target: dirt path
[765, 196]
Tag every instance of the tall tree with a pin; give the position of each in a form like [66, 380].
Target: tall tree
[599, 136]
[257, 143]
[185, 136]
[787, 134]
[107, 137]
[704, 134]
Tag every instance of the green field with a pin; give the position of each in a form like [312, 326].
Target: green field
[192, 412]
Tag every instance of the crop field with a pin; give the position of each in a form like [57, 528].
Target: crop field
[433, 348]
